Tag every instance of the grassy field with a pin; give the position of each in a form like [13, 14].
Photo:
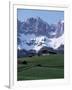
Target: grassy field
[40, 67]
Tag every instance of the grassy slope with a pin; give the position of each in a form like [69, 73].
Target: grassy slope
[51, 67]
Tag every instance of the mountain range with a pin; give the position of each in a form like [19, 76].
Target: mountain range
[35, 33]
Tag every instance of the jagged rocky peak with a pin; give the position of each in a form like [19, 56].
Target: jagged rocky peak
[37, 26]
[34, 24]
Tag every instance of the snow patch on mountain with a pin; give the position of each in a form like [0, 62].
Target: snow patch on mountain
[30, 41]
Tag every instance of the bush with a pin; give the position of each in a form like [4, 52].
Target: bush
[24, 62]
[39, 65]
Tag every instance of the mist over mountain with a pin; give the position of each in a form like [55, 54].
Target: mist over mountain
[35, 33]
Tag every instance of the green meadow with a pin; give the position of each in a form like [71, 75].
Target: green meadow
[40, 67]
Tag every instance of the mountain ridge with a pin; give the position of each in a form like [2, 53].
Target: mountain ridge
[34, 33]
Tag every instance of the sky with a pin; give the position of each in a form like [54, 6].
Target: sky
[50, 16]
